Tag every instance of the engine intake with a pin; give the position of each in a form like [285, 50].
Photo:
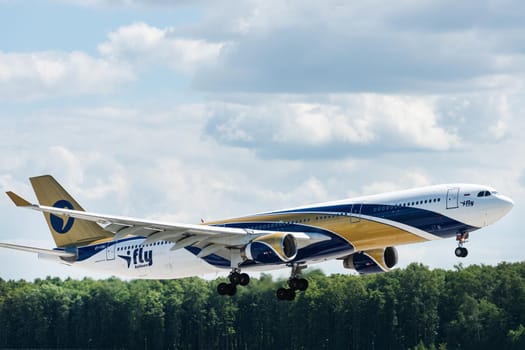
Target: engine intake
[372, 261]
[274, 248]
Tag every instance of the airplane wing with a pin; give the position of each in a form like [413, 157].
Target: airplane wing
[59, 253]
[209, 239]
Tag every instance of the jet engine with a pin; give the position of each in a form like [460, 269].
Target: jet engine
[273, 248]
[372, 261]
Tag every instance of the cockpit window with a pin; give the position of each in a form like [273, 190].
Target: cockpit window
[484, 194]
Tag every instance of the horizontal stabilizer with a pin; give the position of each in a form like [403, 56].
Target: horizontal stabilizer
[59, 253]
[19, 201]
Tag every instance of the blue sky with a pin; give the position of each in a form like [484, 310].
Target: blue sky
[182, 110]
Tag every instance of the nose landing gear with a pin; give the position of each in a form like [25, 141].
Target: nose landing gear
[461, 251]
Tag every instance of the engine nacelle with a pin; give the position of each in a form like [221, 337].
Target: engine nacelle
[274, 248]
[372, 261]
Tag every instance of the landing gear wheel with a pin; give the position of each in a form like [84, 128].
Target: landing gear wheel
[464, 252]
[298, 284]
[244, 279]
[235, 277]
[294, 282]
[281, 293]
[461, 252]
[461, 238]
[232, 290]
[285, 294]
[302, 284]
[223, 288]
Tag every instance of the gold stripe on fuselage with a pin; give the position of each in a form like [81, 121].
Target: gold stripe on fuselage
[362, 234]
[366, 234]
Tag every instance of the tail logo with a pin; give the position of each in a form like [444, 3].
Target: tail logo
[59, 224]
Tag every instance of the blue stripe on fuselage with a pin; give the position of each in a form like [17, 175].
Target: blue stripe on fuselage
[88, 251]
[423, 219]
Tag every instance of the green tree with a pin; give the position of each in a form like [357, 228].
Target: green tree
[478, 307]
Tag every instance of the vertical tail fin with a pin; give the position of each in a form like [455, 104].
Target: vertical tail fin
[66, 231]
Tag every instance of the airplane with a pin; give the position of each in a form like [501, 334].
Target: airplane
[361, 232]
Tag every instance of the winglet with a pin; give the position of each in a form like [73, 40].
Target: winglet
[19, 201]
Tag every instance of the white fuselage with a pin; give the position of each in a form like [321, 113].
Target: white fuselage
[351, 225]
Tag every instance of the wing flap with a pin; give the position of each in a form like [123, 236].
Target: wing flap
[185, 242]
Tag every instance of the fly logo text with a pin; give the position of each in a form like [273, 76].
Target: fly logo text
[139, 257]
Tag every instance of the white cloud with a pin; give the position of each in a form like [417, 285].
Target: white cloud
[483, 117]
[336, 47]
[410, 179]
[49, 73]
[323, 123]
[384, 123]
[414, 119]
[82, 170]
[146, 44]
[24, 76]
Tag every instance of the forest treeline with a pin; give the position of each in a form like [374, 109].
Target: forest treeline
[477, 307]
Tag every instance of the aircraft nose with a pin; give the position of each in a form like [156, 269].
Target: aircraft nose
[506, 203]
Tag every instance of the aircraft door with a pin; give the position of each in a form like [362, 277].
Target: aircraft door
[110, 251]
[356, 212]
[452, 198]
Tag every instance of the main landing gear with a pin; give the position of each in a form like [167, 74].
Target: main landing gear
[461, 251]
[295, 283]
[236, 278]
